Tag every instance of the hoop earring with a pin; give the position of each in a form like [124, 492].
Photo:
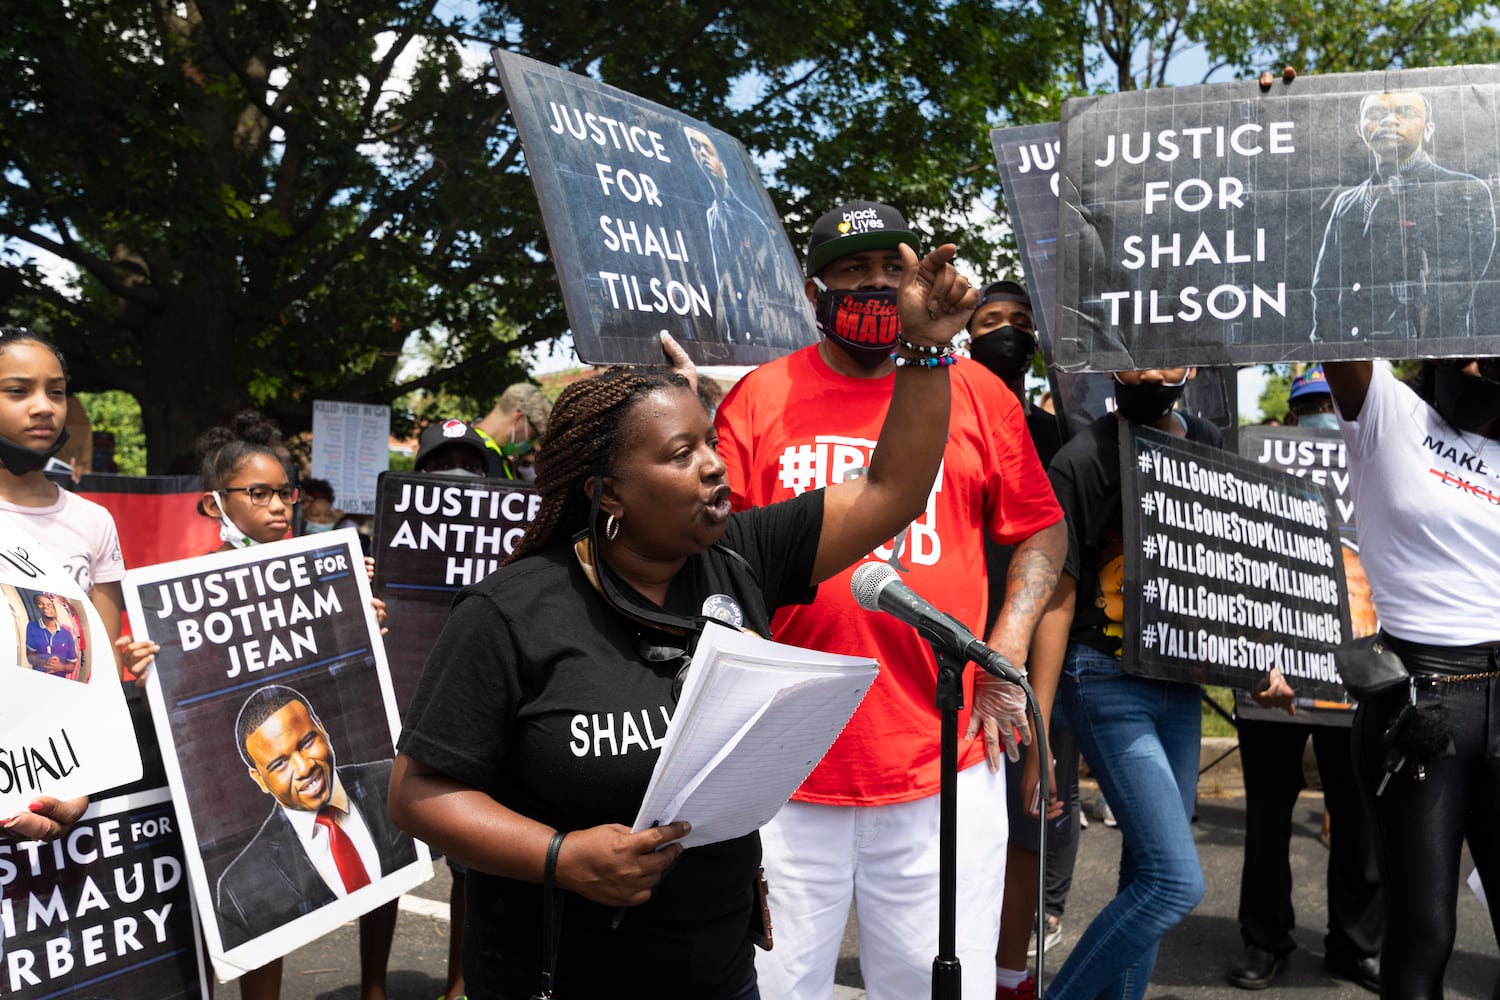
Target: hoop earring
[611, 527]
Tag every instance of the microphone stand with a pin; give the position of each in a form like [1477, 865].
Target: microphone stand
[947, 972]
[1044, 759]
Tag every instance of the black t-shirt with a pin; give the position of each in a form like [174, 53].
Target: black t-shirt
[1086, 478]
[538, 693]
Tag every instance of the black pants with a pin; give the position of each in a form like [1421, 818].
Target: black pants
[1420, 826]
[1271, 754]
[1062, 833]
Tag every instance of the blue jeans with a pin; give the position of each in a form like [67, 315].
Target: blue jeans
[1141, 739]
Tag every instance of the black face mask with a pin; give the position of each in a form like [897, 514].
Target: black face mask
[1465, 401]
[1147, 401]
[864, 323]
[19, 460]
[1006, 351]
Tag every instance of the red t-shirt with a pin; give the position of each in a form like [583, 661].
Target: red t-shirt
[796, 424]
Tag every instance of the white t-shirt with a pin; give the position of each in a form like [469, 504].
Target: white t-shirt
[1427, 502]
[78, 533]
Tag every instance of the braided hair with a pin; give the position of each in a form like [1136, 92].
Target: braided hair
[583, 435]
[223, 450]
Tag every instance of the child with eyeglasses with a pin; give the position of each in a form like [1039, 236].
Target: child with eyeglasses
[248, 488]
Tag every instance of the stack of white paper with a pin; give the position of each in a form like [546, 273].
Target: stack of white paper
[754, 718]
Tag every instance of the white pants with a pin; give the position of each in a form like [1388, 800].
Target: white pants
[883, 859]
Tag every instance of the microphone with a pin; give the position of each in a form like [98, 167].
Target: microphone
[877, 587]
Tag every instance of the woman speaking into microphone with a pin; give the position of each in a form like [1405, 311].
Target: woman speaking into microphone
[536, 726]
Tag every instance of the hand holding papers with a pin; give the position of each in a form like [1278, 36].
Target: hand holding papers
[754, 718]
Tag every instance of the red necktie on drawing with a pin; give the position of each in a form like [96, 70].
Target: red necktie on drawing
[345, 856]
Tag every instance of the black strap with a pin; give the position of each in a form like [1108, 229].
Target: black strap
[552, 905]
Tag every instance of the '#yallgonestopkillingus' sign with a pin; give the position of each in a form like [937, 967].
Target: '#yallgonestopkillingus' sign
[1231, 569]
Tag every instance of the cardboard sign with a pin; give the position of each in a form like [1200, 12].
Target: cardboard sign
[1338, 217]
[656, 222]
[1028, 157]
[1320, 457]
[64, 726]
[435, 535]
[272, 700]
[1235, 569]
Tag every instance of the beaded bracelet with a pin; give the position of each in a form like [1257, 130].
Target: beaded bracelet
[930, 350]
[939, 362]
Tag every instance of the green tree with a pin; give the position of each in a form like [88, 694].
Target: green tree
[1344, 36]
[1273, 397]
[118, 413]
[265, 200]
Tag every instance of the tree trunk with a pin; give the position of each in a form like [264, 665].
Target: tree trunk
[195, 358]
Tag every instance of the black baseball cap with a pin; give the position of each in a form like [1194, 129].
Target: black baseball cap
[446, 432]
[1004, 291]
[853, 227]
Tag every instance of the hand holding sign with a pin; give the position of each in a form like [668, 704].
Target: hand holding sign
[47, 818]
[681, 363]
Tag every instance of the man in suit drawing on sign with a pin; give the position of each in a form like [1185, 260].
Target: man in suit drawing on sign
[329, 834]
[1403, 249]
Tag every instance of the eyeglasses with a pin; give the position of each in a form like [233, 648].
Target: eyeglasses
[260, 496]
[653, 653]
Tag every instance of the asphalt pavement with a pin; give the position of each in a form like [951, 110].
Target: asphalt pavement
[1193, 956]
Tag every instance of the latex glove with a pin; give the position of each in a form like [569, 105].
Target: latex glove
[1000, 708]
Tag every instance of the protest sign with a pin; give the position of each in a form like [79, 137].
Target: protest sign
[106, 911]
[273, 705]
[102, 911]
[656, 222]
[1332, 218]
[351, 445]
[435, 535]
[1027, 157]
[1319, 456]
[64, 726]
[1234, 569]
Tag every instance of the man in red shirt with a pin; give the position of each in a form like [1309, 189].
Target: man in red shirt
[863, 828]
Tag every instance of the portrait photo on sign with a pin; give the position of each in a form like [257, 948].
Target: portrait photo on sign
[64, 723]
[273, 704]
[1338, 217]
[290, 755]
[656, 222]
[54, 638]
